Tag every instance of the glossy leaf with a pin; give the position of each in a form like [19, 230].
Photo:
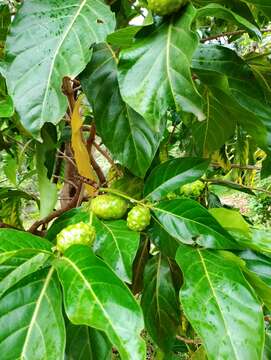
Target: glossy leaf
[230, 219]
[172, 174]
[31, 322]
[39, 63]
[220, 304]
[189, 222]
[117, 245]
[105, 302]
[32, 263]
[70, 217]
[85, 343]
[160, 303]
[158, 67]
[13, 242]
[125, 133]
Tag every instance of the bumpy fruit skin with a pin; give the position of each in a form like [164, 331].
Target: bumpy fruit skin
[80, 233]
[192, 190]
[166, 7]
[109, 207]
[138, 218]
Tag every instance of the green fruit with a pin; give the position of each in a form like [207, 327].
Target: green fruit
[109, 207]
[166, 7]
[193, 190]
[138, 218]
[80, 233]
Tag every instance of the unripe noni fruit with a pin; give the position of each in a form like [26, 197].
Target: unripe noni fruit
[193, 189]
[75, 234]
[138, 218]
[166, 7]
[109, 207]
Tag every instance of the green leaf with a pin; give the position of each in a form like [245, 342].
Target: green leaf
[267, 347]
[257, 239]
[31, 322]
[59, 46]
[85, 343]
[154, 74]
[230, 219]
[70, 217]
[263, 5]
[117, 245]
[124, 132]
[219, 11]
[172, 174]
[10, 169]
[167, 244]
[47, 189]
[27, 267]
[105, 302]
[220, 305]
[190, 223]
[233, 84]
[160, 303]
[13, 242]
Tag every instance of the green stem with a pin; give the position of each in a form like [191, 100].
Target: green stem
[116, 192]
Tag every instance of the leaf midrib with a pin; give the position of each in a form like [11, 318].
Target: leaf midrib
[217, 302]
[88, 286]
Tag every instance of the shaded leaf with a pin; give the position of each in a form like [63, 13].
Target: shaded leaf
[160, 303]
[85, 343]
[124, 132]
[117, 245]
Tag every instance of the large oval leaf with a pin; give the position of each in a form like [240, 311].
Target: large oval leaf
[220, 305]
[61, 36]
[160, 303]
[125, 133]
[190, 223]
[172, 174]
[96, 297]
[117, 245]
[31, 322]
[154, 73]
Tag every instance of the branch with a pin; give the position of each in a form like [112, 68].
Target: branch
[228, 182]
[33, 229]
[87, 181]
[239, 166]
[188, 341]
[7, 226]
[229, 33]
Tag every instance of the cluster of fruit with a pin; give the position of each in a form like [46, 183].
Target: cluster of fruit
[166, 7]
[193, 189]
[106, 207]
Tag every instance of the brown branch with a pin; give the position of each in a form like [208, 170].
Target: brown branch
[33, 229]
[94, 164]
[7, 226]
[232, 183]
[87, 181]
[188, 341]
[106, 156]
[229, 33]
[67, 90]
[239, 166]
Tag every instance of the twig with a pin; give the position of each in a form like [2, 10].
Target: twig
[66, 157]
[232, 183]
[106, 156]
[229, 33]
[67, 90]
[94, 164]
[188, 341]
[56, 177]
[239, 166]
[33, 229]
[87, 181]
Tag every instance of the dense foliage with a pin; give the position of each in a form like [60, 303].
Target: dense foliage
[119, 121]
